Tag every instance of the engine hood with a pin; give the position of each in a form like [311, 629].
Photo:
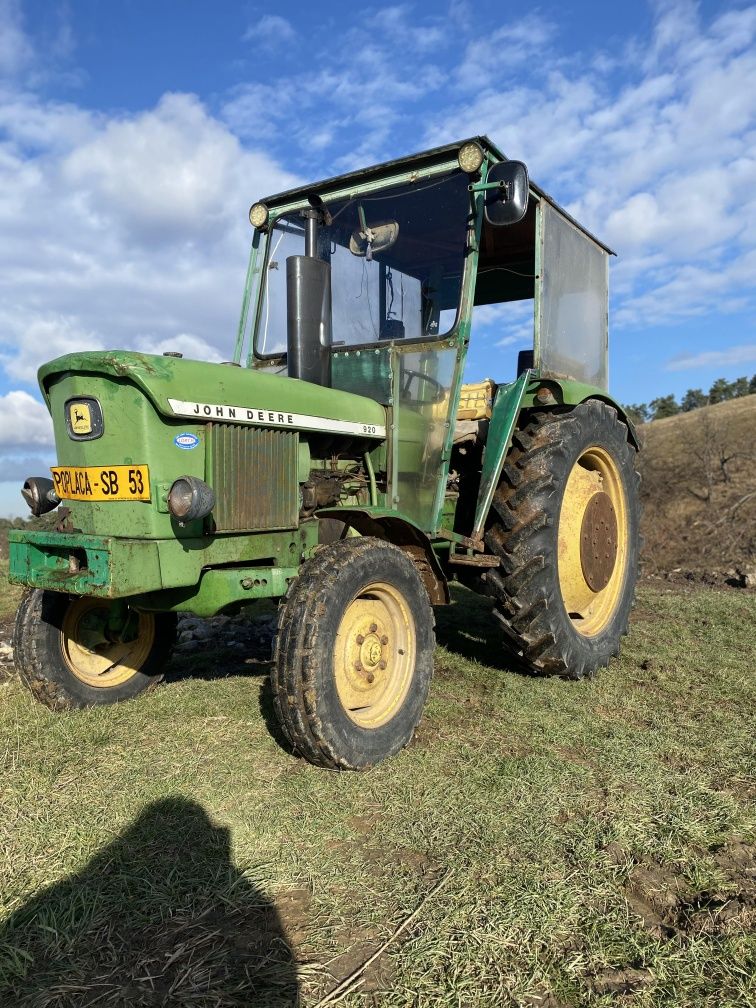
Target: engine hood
[219, 392]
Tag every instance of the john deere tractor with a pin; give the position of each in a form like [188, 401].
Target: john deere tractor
[338, 464]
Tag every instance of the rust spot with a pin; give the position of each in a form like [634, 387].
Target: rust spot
[598, 541]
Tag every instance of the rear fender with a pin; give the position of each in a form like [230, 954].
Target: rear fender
[572, 393]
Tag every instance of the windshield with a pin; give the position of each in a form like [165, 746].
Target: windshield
[396, 258]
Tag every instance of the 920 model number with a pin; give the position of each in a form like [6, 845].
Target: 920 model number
[94, 483]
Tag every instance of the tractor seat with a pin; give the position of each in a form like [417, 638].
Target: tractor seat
[474, 412]
[476, 400]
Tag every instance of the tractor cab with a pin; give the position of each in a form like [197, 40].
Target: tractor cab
[367, 283]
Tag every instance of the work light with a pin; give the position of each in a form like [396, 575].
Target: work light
[470, 157]
[258, 215]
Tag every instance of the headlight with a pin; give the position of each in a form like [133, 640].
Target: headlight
[470, 157]
[190, 498]
[39, 494]
[258, 215]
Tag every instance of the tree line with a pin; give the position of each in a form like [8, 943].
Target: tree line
[667, 406]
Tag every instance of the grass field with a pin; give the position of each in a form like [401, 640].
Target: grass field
[591, 840]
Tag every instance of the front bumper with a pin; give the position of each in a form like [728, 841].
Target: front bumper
[192, 575]
[103, 566]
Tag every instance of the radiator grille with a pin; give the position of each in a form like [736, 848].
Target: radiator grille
[254, 475]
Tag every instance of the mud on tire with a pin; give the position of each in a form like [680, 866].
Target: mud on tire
[564, 611]
[354, 654]
[62, 657]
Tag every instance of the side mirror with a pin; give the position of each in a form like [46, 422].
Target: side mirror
[507, 203]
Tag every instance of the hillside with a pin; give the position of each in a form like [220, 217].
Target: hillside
[699, 489]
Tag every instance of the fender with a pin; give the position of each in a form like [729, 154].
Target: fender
[571, 393]
[399, 530]
[510, 401]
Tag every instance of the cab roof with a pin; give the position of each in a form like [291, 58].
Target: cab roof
[418, 162]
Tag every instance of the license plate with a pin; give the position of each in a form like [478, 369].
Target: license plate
[95, 483]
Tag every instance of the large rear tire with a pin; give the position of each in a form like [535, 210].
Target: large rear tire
[67, 658]
[354, 655]
[565, 525]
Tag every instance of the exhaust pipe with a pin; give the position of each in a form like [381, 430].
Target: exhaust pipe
[308, 310]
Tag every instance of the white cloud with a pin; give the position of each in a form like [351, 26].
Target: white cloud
[663, 169]
[16, 53]
[23, 420]
[514, 43]
[190, 346]
[745, 354]
[270, 31]
[136, 229]
[43, 339]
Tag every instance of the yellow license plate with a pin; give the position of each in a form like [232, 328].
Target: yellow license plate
[97, 483]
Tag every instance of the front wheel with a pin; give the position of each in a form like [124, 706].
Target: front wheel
[565, 525]
[354, 655]
[68, 653]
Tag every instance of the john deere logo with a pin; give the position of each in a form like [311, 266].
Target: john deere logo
[83, 419]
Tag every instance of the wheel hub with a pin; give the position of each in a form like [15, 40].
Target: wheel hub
[373, 655]
[598, 541]
[91, 654]
[592, 541]
[371, 652]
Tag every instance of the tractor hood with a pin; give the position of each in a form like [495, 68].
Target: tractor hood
[205, 392]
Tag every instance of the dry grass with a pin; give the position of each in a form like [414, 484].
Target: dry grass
[169, 852]
[699, 488]
[10, 595]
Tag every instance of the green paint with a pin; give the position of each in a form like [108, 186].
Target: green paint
[506, 409]
[161, 378]
[572, 393]
[221, 589]
[119, 568]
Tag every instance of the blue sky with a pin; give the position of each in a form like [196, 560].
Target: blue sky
[134, 135]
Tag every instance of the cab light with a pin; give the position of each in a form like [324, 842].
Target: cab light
[258, 215]
[470, 157]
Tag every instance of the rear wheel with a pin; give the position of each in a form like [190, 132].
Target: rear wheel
[354, 655]
[68, 655]
[565, 523]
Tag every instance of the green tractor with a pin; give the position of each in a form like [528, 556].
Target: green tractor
[338, 463]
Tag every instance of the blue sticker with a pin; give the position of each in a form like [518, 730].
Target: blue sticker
[186, 441]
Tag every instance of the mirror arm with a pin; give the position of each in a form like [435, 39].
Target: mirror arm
[477, 187]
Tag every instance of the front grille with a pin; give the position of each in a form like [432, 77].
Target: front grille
[254, 475]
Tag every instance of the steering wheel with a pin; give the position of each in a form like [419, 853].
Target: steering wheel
[407, 377]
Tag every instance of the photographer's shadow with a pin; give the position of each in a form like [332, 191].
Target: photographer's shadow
[159, 917]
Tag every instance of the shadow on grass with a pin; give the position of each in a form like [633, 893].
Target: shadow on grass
[468, 628]
[159, 917]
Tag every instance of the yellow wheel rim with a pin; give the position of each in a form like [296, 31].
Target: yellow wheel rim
[593, 537]
[91, 656]
[374, 655]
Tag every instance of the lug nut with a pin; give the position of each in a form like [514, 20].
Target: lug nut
[358, 666]
[382, 665]
[371, 677]
[384, 640]
[373, 627]
[360, 639]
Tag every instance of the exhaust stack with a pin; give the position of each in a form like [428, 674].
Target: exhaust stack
[308, 310]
